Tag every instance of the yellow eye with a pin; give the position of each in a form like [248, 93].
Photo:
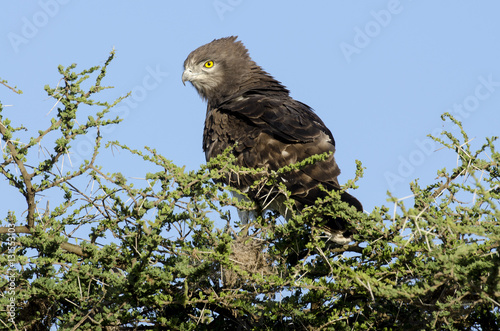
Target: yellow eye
[209, 64]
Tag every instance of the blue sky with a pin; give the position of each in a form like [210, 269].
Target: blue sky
[379, 74]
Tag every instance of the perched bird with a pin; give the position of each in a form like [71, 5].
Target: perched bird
[248, 109]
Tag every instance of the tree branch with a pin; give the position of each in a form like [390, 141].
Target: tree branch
[24, 229]
[29, 193]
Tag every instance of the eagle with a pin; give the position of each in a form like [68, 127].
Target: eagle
[253, 113]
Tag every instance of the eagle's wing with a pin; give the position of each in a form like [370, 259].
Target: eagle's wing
[285, 118]
[273, 133]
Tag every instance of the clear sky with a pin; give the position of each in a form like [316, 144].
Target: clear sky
[379, 74]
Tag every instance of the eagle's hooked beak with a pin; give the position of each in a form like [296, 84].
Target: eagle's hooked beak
[188, 75]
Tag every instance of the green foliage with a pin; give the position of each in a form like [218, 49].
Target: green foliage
[162, 252]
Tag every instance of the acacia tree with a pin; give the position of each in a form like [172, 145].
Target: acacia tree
[114, 253]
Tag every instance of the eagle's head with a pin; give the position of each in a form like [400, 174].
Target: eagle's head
[222, 69]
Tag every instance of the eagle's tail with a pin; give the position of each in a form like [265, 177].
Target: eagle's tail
[336, 228]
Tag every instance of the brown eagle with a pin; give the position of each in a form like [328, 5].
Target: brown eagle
[253, 112]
